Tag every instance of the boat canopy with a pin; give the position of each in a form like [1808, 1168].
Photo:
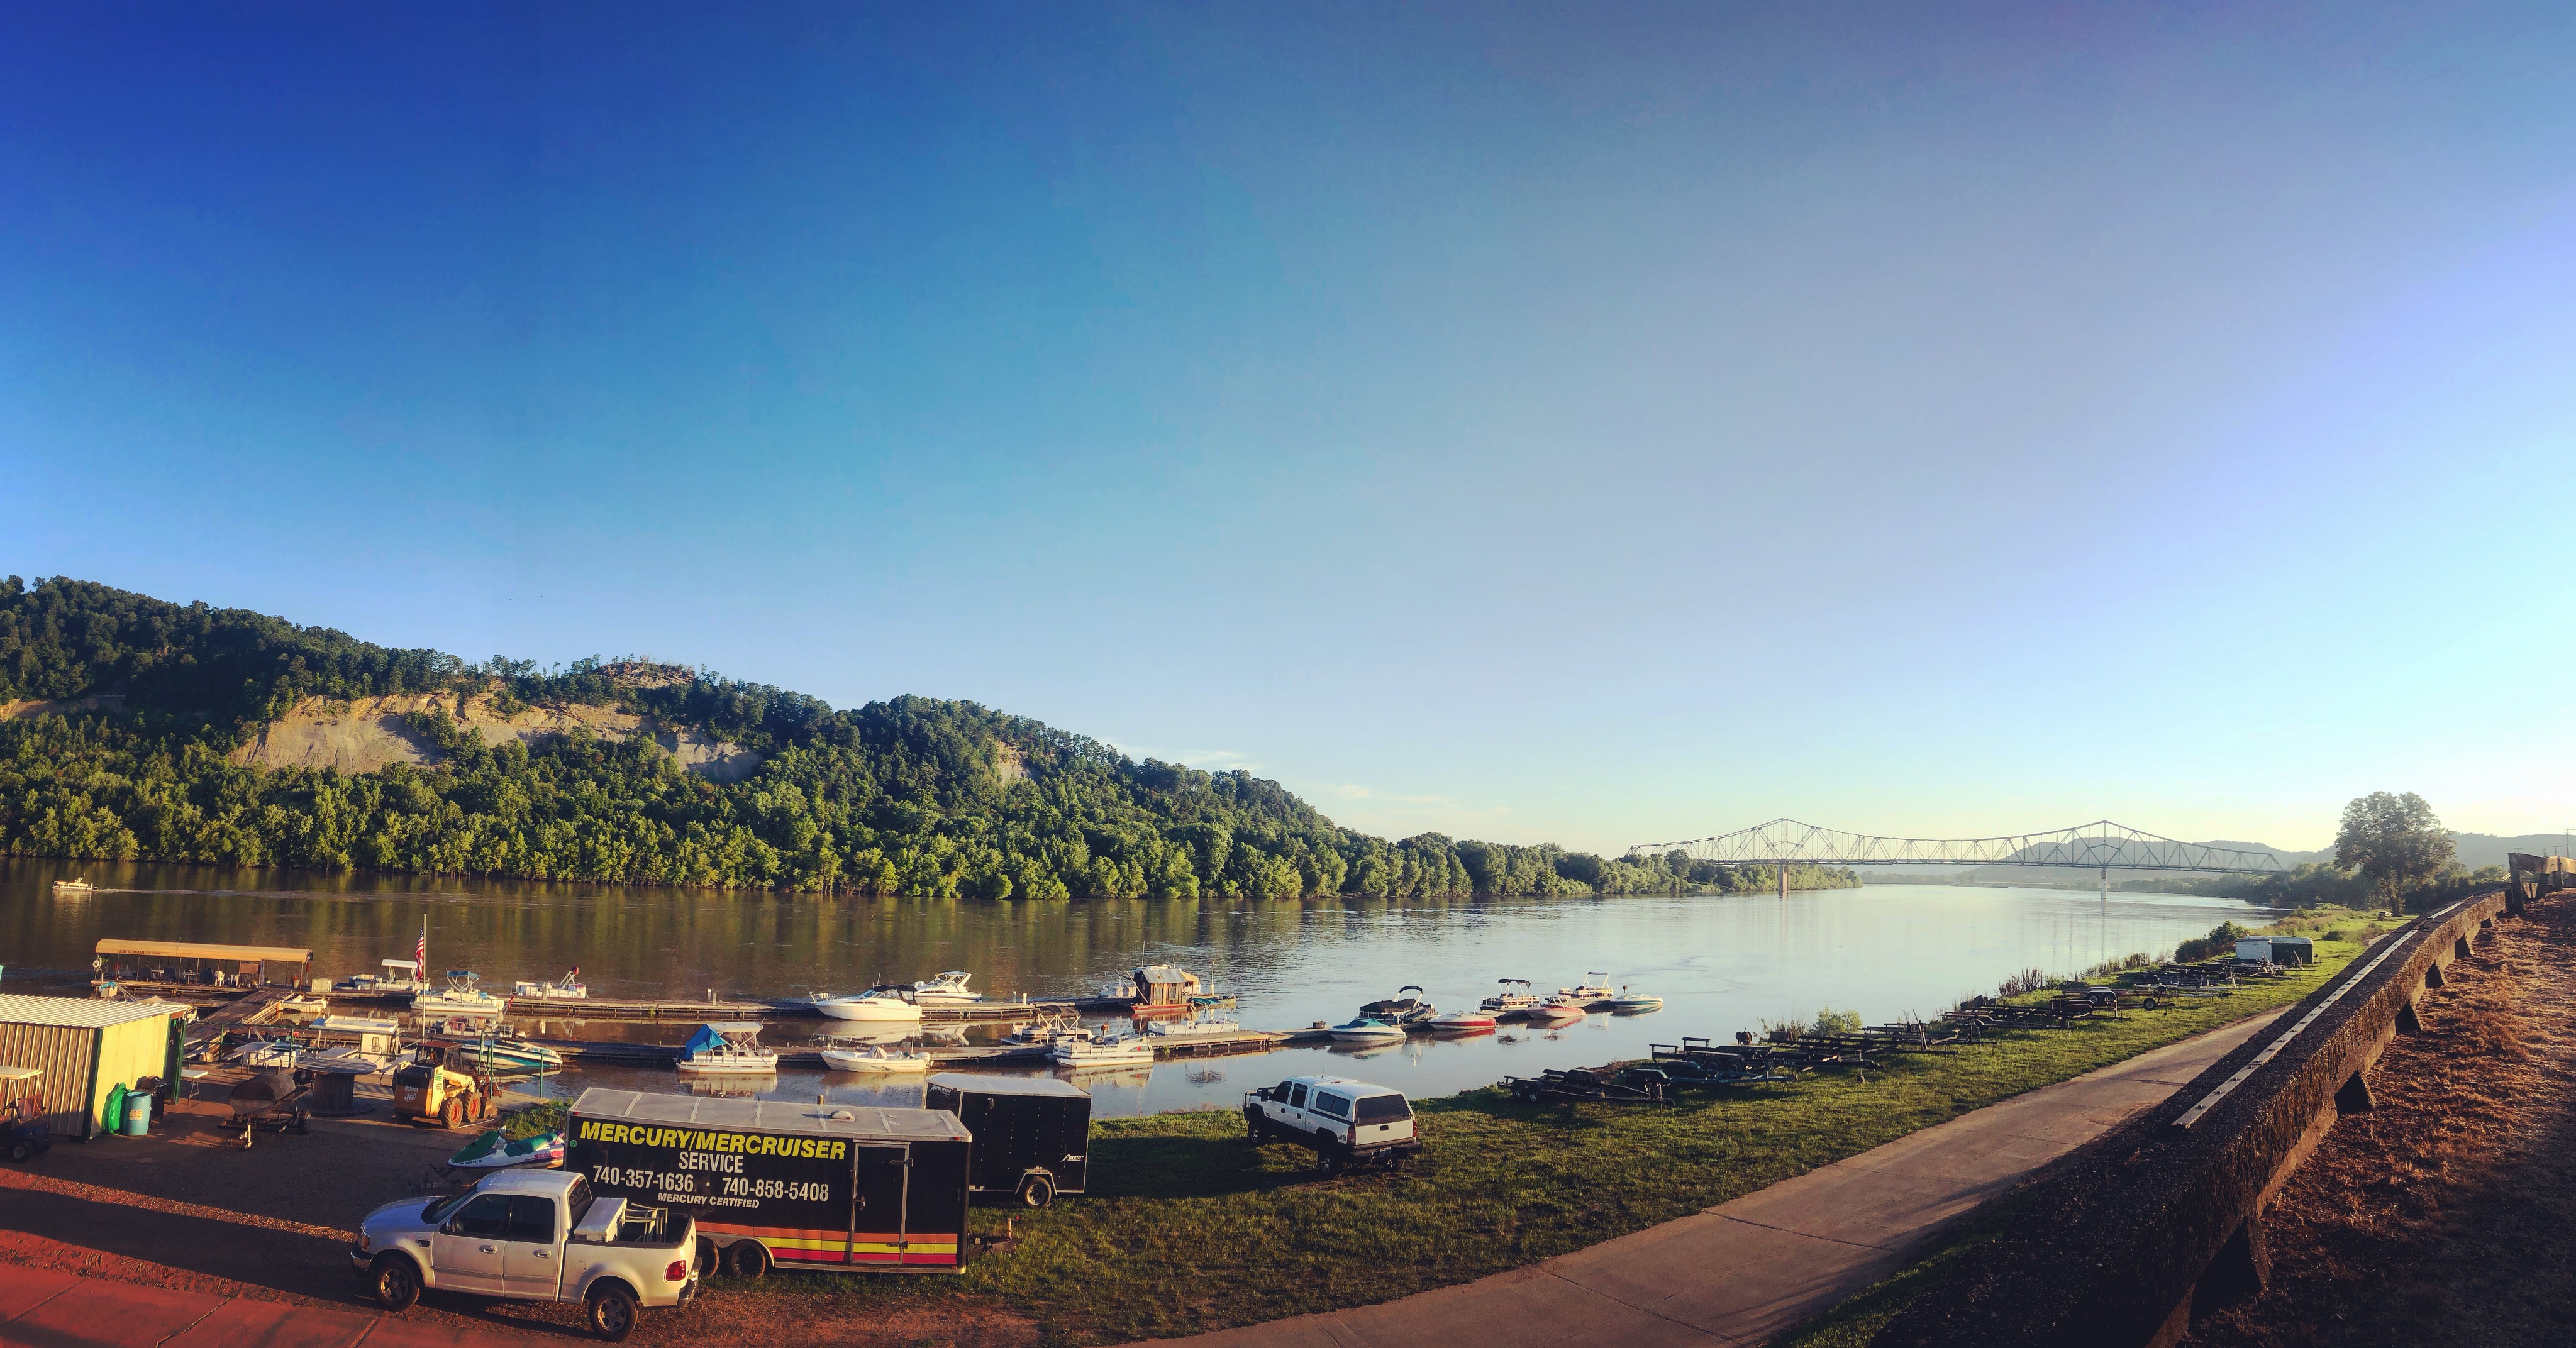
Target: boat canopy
[191, 950]
[412, 965]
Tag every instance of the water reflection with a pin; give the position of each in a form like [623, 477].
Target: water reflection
[1721, 963]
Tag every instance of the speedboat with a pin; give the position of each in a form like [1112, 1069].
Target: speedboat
[1557, 1010]
[492, 1151]
[1103, 1051]
[728, 1048]
[568, 988]
[1365, 1029]
[459, 998]
[1630, 1003]
[894, 1001]
[1400, 1009]
[948, 989]
[1588, 993]
[504, 1055]
[855, 1057]
[1461, 1020]
[1506, 1002]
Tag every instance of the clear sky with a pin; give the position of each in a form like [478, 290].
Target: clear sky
[1600, 424]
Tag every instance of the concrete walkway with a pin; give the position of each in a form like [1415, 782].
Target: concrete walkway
[1746, 1271]
[44, 1308]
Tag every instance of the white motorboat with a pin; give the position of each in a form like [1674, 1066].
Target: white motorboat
[1631, 1003]
[1588, 993]
[1559, 1009]
[948, 989]
[1506, 1002]
[568, 988]
[459, 998]
[873, 1058]
[1103, 1051]
[728, 1048]
[1401, 1009]
[1366, 1029]
[892, 1002]
[1460, 1020]
[1204, 1027]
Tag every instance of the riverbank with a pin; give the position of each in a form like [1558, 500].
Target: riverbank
[1189, 1227]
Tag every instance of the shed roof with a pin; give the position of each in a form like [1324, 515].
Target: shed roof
[993, 1083]
[1164, 973]
[195, 951]
[772, 1116]
[87, 1012]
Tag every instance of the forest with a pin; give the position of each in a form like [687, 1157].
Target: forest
[912, 796]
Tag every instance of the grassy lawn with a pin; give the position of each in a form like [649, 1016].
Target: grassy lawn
[1190, 1228]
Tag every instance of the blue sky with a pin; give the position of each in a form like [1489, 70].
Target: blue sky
[1594, 424]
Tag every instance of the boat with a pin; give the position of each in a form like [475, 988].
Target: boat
[399, 977]
[1631, 1003]
[1366, 1029]
[1161, 987]
[300, 1006]
[459, 998]
[1559, 1009]
[504, 1055]
[1588, 993]
[568, 988]
[853, 1057]
[1103, 1051]
[1507, 1002]
[492, 1151]
[1213, 1002]
[1400, 1009]
[891, 1002]
[948, 989]
[1202, 1027]
[74, 889]
[1461, 1020]
[727, 1048]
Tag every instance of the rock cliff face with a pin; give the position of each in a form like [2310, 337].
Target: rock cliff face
[367, 734]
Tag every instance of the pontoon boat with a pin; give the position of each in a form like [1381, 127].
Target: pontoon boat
[459, 998]
[728, 1048]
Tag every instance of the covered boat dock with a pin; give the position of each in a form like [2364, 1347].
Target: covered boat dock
[191, 968]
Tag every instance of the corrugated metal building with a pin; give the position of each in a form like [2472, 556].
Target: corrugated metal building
[85, 1047]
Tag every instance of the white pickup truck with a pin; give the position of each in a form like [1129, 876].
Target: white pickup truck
[532, 1235]
[1347, 1122]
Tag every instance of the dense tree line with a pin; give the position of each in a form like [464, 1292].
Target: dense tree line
[913, 796]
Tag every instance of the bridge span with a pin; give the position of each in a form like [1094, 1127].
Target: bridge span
[2099, 846]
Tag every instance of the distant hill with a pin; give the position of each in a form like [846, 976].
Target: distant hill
[134, 728]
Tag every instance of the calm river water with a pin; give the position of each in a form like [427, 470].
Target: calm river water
[1721, 963]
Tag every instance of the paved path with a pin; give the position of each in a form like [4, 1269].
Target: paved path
[45, 1308]
[1746, 1271]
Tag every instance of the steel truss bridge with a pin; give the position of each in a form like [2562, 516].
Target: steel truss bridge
[2102, 846]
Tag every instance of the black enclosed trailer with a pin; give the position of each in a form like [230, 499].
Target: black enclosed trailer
[1032, 1134]
[796, 1185]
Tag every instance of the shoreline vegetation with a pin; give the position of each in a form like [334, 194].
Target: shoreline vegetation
[1189, 1228]
[131, 715]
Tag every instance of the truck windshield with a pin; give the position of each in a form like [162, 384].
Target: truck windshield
[1383, 1109]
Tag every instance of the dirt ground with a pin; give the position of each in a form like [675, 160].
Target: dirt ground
[188, 1207]
[2445, 1214]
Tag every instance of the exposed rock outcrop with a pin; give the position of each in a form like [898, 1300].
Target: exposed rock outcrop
[367, 734]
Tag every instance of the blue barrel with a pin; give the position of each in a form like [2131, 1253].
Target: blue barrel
[138, 1113]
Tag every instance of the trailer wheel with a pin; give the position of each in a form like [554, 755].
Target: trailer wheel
[747, 1260]
[1036, 1191]
[395, 1282]
[611, 1311]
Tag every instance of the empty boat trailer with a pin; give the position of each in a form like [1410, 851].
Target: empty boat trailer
[797, 1185]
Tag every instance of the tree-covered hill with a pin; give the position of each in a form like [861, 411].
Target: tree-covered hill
[912, 796]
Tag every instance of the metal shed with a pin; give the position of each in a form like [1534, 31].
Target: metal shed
[1163, 985]
[86, 1047]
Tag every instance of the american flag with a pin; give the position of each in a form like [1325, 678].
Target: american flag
[421, 952]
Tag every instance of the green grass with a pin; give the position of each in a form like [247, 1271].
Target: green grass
[1190, 1228]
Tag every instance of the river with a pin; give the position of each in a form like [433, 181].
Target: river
[1721, 962]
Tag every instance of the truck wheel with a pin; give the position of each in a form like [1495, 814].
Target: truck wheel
[709, 1257]
[1252, 1127]
[394, 1282]
[1330, 1157]
[452, 1114]
[1036, 1191]
[747, 1260]
[611, 1311]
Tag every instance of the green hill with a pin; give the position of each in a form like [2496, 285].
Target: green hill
[139, 744]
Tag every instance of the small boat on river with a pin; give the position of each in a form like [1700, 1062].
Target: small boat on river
[853, 1056]
[1367, 1029]
[1557, 1010]
[893, 1001]
[1588, 993]
[1506, 1002]
[948, 989]
[728, 1048]
[1460, 1020]
[1400, 1009]
[568, 988]
[399, 977]
[1632, 1003]
[1103, 1051]
[1197, 1027]
[459, 998]
[74, 889]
